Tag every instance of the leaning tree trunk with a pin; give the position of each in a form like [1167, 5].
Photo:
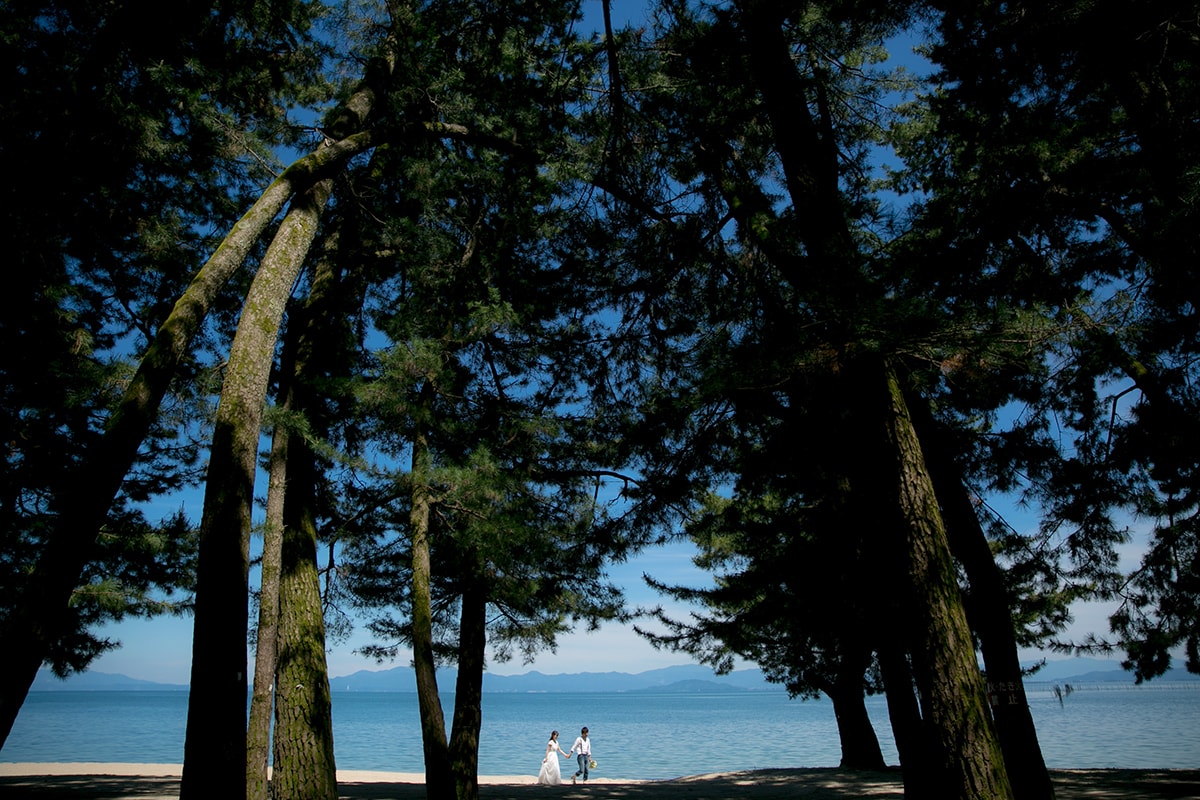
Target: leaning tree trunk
[439, 783]
[859, 742]
[40, 615]
[992, 619]
[258, 736]
[964, 747]
[990, 615]
[856, 734]
[468, 691]
[215, 747]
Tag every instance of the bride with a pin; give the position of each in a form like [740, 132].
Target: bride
[549, 774]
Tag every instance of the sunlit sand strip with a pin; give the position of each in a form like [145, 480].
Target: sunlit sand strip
[92, 768]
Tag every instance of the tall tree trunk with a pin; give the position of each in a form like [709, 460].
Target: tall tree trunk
[258, 737]
[215, 747]
[990, 615]
[304, 762]
[439, 782]
[964, 746]
[468, 691]
[847, 690]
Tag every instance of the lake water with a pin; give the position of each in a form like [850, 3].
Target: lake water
[636, 735]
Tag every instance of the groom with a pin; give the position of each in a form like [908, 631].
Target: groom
[583, 746]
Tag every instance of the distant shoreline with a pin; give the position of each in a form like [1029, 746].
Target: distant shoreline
[689, 678]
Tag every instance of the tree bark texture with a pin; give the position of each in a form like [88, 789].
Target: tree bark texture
[964, 747]
[439, 783]
[262, 706]
[215, 745]
[990, 616]
[304, 762]
[468, 691]
[38, 618]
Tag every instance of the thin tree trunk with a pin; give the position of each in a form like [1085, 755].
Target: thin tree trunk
[904, 713]
[439, 783]
[215, 746]
[468, 691]
[964, 746]
[258, 739]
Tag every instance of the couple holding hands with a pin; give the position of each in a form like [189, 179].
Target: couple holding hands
[549, 774]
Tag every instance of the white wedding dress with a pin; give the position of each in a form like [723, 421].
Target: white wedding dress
[549, 774]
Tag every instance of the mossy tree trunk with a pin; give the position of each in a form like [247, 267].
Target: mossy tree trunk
[305, 767]
[989, 612]
[215, 753]
[964, 750]
[215, 747]
[991, 618]
[38, 618]
[262, 706]
[439, 783]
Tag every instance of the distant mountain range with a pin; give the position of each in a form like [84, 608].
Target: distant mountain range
[684, 679]
[99, 682]
[690, 678]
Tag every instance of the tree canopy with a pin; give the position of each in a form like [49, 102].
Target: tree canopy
[521, 291]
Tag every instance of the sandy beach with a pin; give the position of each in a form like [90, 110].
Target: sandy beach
[95, 781]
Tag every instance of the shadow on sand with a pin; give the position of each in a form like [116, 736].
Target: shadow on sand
[812, 784]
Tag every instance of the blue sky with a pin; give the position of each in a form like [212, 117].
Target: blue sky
[160, 649]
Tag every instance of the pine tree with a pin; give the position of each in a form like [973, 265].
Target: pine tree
[108, 241]
[1077, 136]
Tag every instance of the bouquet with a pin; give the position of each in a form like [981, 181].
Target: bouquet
[592, 764]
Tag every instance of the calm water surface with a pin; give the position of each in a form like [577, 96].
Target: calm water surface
[635, 735]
